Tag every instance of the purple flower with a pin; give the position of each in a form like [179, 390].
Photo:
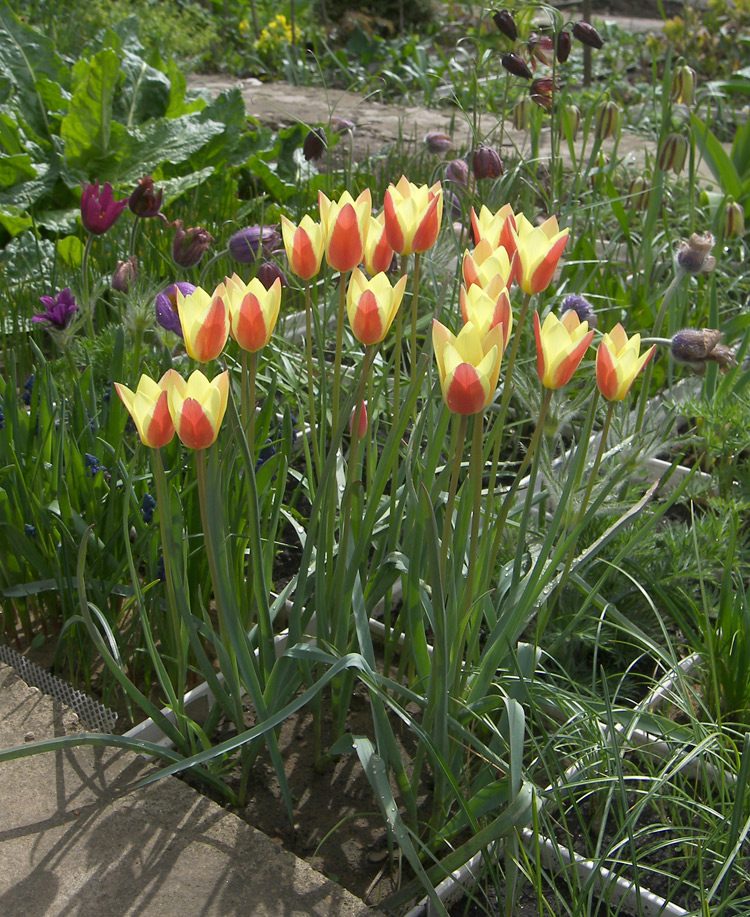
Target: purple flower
[245, 245]
[144, 201]
[99, 210]
[190, 245]
[59, 309]
[315, 144]
[581, 306]
[166, 305]
[125, 274]
[268, 272]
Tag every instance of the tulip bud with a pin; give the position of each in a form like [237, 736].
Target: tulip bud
[437, 142]
[506, 24]
[587, 35]
[683, 85]
[516, 65]
[734, 220]
[697, 346]
[607, 121]
[694, 256]
[522, 114]
[673, 153]
[125, 274]
[564, 44]
[486, 163]
[639, 194]
[190, 245]
[360, 415]
[315, 144]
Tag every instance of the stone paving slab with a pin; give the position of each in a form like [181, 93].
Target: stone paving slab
[77, 840]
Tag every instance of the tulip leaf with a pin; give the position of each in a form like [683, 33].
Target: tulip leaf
[717, 159]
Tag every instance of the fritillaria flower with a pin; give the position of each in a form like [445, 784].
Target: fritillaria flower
[438, 142]
[485, 163]
[587, 35]
[59, 309]
[99, 209]
[516, 65]
[314, 144]
[734, 220]
[542, 91]
[125, 274]
[506, 24]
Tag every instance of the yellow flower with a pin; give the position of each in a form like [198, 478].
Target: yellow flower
[468, 366]
[539, 249]
[148, 406]
[372, 305]
[345, 224]
[205, 322]
[412, 216]
[618, 362]
[197, 407]
[487, 261]
[560, 346]
[487, 307]
[253, 311]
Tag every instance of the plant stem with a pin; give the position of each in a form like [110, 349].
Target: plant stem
[475, 476]
[85, 287]
[337, 354]
[414, 305]
[310, 381]
[448, 518]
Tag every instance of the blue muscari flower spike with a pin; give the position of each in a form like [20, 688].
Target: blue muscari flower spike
[2, 418]
[160, 574]
[147, 508]
[268, 451]
[28, 389]
[29, 530]
[92, 464]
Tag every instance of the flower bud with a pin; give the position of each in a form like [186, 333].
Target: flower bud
[437, 142]
[673, 153]
[587, 35]
[268, 272]
[607, 121]
[734, 220]
[457, 170]
[683, 85]
[486, 163]
[343, 125]
[190, 245]
[564, 44]
[144, 201]
[639, 194]
[506, 24]
[360, 415]
[522, 115]
[516, 65]
[582, 308]
[314, 144]
[572, 114]
[697, 346]
[245, 245]
[125, 274]
[694, 256]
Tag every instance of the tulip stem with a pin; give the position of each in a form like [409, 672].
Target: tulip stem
[508, 501]
[450, 502]
[337, 354]
[134, 234]
[475, 476]
[414, 305]
[310, 380]
[252, 376]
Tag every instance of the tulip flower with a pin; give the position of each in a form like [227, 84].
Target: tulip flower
[197, 407]
[412, 216]
[560, 346]
[148, 405]
[618, 362]
[345, 224]
[494, 227]
[99, 209]
[485, 263]
[304, 246]
[205, 322]
[372, 305]
[166, 306]
[539, 249]
[468, 365]
[488, 307]
[378, 253]
[253, 311]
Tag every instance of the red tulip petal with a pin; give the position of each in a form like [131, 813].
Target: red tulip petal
[368, 323]
[466, 394]
[160, 429]
[428, 229]
[194, 428]
[212, 336]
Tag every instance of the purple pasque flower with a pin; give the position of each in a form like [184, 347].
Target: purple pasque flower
[269, 272]
[245, 245]
[99, 209]
[166, 305]
[59, 309]
[144, 201]
[190, 245]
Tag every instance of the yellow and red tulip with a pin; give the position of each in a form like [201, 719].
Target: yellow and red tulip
[468, 365]
[372, 305]
[197, 407]
[345, 224]
[560, 346]
[253, 311]
[487, 307]
[205, 322]
[304, 246]
[618, 362]
[494, 227]
[378, 252]
[539, 249]
[148, 405]
[483, 264]
[412, 216]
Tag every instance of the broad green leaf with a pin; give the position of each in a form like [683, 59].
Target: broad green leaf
[87, 127]
[716, 158]
[741, 151]
[145, 92]
[180, 101]
[70, 250]
[14, 220]
[173, 140]
[15, 169]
